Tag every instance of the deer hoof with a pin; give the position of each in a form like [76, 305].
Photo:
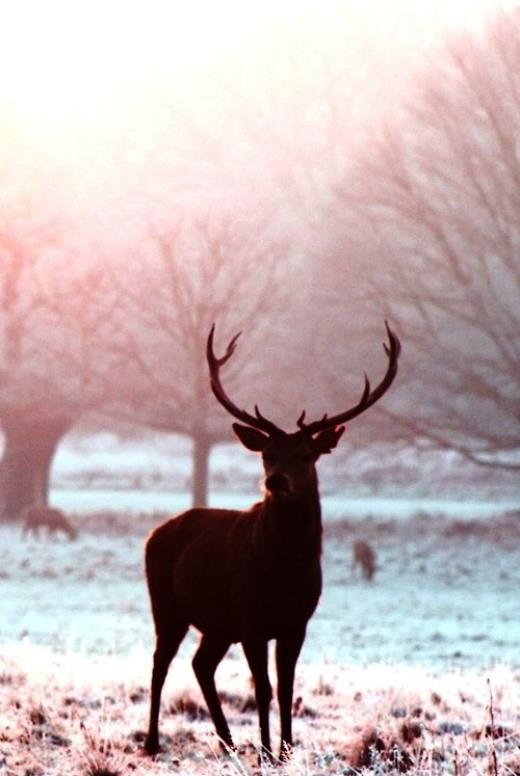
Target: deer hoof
[151, 746]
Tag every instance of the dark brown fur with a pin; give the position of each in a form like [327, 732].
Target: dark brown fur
[53, 520]
[250, 576]
[244, 577]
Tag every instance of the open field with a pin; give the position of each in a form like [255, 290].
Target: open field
[417, 671]
[442, 594]
[79, 715]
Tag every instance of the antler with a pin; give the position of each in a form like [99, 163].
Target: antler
[257, 420]
[369, 396]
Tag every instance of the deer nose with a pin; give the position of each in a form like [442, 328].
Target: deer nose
[277, 482]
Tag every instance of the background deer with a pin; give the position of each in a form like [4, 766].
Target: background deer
[37, 517]
[249, 576]
[363, 555]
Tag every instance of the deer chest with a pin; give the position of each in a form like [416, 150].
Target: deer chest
[279, 598]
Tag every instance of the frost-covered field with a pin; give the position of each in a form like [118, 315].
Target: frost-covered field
[82, 716]
[442, 595]
[419, 669]
[162, 465]
[403, 667]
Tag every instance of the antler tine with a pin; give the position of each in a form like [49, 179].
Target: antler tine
[256, 421]
[369, 396]
[230, 348]
[261, 418]
[366, 390]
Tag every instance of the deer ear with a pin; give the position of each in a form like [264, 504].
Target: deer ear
[251, 438]
[327, 440]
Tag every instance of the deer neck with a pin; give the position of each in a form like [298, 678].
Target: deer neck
[293, 525]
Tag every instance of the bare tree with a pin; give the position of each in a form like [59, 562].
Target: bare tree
[435, 239]
[54, 316]
[201, 271]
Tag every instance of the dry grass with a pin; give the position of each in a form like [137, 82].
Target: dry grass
[64, 713]
[85, 716]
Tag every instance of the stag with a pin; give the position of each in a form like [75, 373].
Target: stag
[250, 576]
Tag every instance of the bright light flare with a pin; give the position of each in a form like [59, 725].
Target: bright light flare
[70, 67]
[67, 67]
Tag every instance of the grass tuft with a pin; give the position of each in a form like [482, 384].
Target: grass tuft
[88, 718]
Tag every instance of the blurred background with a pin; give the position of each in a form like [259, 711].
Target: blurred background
[300, 173]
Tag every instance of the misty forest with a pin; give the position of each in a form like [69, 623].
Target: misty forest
[340, 183]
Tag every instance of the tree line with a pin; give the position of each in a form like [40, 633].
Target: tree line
[419, 227]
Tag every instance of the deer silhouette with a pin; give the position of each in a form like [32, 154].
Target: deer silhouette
[249, 576]
[37, 517]
[364, 556]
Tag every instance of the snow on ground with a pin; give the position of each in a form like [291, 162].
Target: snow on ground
[161, 464]
[85, 716]
[423, 663]
[442, 594]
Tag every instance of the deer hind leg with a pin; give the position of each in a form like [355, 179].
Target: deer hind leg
[209, 654]
[287, 651]
[168, 642]
[255, 651]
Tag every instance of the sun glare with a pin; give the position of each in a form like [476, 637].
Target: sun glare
[74, 69]
[65, 69]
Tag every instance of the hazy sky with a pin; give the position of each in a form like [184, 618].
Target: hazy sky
[67, 63]
[81, 83]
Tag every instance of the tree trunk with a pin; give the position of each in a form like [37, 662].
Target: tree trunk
[201, 452]
[25, 466]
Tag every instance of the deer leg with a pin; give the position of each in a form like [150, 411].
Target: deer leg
[287, 652]
[209, 654]
[166, 647]
[255, 651]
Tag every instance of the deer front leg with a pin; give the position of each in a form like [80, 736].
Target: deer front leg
[287, 651]
[208, 656]
[255, 650]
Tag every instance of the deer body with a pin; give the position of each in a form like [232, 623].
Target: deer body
[246, 577]
[250, 576]
[54, 520]
[251, 590]
[260, 584]
[363, 555]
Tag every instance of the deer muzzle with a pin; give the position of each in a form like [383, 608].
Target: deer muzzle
[278, 484]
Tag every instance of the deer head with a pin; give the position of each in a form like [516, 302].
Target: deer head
[289, 458]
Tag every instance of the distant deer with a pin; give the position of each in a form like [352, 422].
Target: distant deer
[363, 555]
[37, 517]
[250, 576]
